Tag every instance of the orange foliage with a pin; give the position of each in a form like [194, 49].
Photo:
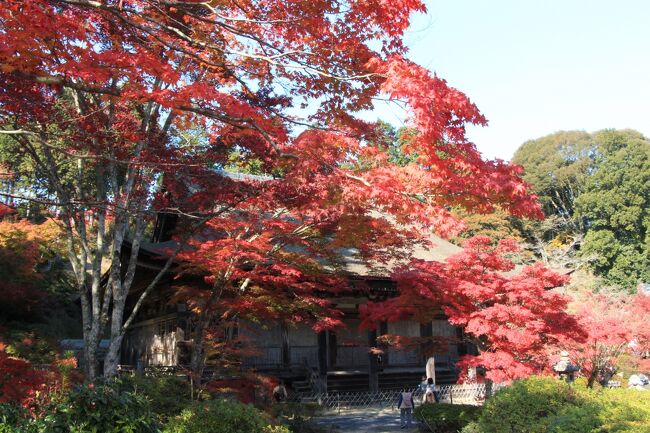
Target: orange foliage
[23, 246]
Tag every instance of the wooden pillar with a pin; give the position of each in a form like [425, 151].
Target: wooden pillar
[426, 330]
[488, 388]
[373, 367]
[462, 344]
[331, 348]
[286, 354]
[383, 329]
[322, 360]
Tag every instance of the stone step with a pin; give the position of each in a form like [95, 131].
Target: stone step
[301, 386]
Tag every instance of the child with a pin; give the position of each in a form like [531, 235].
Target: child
[405, 405]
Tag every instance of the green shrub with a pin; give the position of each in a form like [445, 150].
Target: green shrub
[472, 427]
[100, 407]
[626, 410]
[576, 419]
[546, 405]
[14, 419]
[222, 416]
[444, 418]
[527, 405]
[167, 395]
[606, 410]
[29, 346]
[296, 416]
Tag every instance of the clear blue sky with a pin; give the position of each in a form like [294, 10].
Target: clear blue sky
[534, 67]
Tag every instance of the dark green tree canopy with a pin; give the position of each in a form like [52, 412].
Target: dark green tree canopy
[598, 187]
[558, 166]
[616, 208]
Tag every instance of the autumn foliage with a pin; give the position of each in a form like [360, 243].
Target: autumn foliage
[514, 318]
[261, 263]
[23, 247]
[615, 325]
[19, 382]
[33, 388]
[128, 108]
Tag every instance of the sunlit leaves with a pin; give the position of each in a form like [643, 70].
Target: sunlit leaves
[512, 317]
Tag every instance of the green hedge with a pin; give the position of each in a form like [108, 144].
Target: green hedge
[606, 410]
[446, 418]
[145, 405]
[297, 417]
[102, 407]
[527, 406]
[546, 405]
[91, 408]
[14, 419]
[167, 395]
[222, 416]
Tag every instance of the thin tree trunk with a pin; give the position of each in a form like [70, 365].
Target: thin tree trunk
[197, 358]
[112, 359]
[121, 287]
[592, 378]
[91, 344]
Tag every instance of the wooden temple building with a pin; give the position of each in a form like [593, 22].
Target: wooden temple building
[331, 360]
[338, 360]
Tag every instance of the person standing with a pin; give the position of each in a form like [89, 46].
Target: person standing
[430, 395]
[280, 393]
[423, 384]
[405, 405]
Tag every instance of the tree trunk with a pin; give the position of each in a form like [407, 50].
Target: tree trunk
[592, 378]
[91, 344]
[112, 359]
[197, 360]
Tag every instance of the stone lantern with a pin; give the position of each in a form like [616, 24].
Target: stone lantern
[564, 368]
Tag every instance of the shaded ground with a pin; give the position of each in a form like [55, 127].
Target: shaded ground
[363, 421]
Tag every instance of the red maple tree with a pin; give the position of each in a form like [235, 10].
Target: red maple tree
[103, 98]
[260, 267]
[513, 318]
[33, 388]
[615, 325]
[19, 382]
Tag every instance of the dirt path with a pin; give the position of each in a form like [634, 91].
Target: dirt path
[364, 421]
